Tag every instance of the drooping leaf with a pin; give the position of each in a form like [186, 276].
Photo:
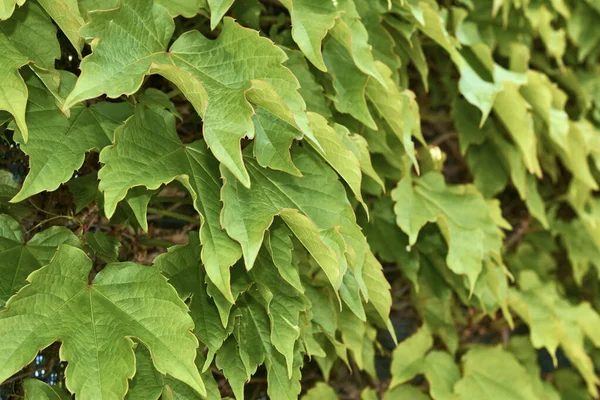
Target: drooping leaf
[88, 128]
[461, 213]
[162, 159]
[181, 265]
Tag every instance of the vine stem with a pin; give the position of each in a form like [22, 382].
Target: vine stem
[73, 219]
[172, 214]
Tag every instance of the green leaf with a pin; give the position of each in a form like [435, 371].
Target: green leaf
[218, 8]
[8, 6]
[311, 20]
[38, 390]
[147, 383]
[265, 82]
[102, 246]
[278, 243]
[284, 305]
[349, 82]
[492, 373]
[409, 357]
[273, 140]
[123, 300]
[512, 109]
[442, 373]
[13, 92]
[405, 392]
[461, 213]
[182, 267]
[247, 213]
[20, 258]
[553, 321]
[51, 162]
[337, 154]
[67, 16]
[186, 8]
[321, 391]
[388, 100]
[161, 159]
[310, 90]
[144, 26]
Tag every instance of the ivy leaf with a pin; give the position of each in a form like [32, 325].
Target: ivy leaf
[553, 321]
[247, 213]
[461, 213]
[13, 92]
[67, 16]
[265, 82]
[144, 27]
[102, 246]
[442, 373]
[405, 392]
[349, 82]
[388, 100]
[38, 390]
[50, 161]
[492, 373]
[123, 300]
[182, 267]
[186, 8]
[273, 140]
[284, 305]
[218, 8]
[409, 357]
[20, 258]
[512, 109]
[321, 391]
[311, 21]
[213, 86]
[278, 243]
[310, 90]
[149, 384]
[7, 7]
[337, 154]
[155, 156]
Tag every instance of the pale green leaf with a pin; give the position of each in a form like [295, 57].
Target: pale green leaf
[247, 213]
[38, 390]
[409, 357]
[8, 6]
[218, 8]
[135, 299]
[273, 140]
[442, 373]
[337, 154]
[311, 20]
[67, 16]
[321, 391]
[492, 373]
[461, 213]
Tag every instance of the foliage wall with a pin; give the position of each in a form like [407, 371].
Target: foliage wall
[219, 198]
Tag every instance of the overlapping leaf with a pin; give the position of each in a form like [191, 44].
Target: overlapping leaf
[123, 300]
[147, 152]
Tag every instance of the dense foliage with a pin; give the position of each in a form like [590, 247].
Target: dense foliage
[330, 178]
